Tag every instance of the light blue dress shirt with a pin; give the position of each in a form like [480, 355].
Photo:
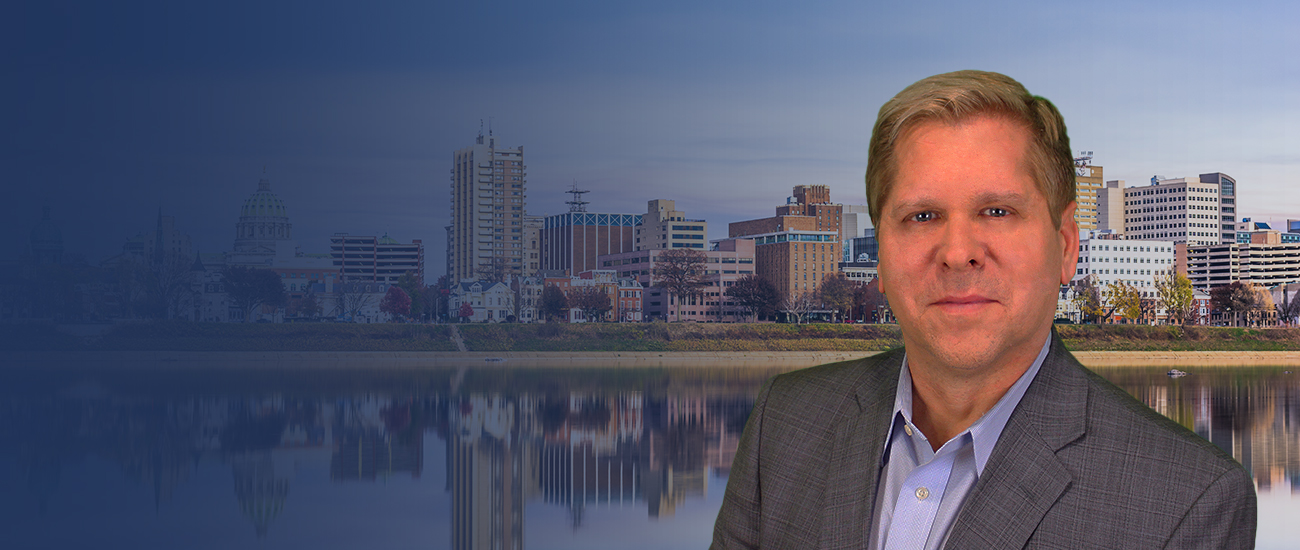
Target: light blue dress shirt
[922, 490]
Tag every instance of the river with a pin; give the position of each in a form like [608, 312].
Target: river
[155, 454]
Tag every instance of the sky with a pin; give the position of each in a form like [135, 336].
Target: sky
[112, 111]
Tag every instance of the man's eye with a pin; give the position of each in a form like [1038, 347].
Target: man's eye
[922, 216]
[996, 212]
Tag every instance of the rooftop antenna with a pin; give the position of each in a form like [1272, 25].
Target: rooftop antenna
[576, 204]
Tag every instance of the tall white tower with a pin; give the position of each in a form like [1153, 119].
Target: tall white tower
[487, 209]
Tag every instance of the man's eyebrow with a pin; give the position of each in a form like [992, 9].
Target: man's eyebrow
[1002, 198]
[931, 203]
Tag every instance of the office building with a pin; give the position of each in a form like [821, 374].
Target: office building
[488, 185]
[1110, 207]
[726, 261]
[1191, 210]
[855, 223]
[376, 259]
[1087, 188]
[1136, 262]
[800, 245]
[664, 227]
[573, 242]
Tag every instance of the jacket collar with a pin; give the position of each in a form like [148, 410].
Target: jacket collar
[1024, 478]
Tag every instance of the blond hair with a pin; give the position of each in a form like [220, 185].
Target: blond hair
[953, 97]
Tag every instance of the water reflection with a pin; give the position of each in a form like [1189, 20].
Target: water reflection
[1251, 413]
[337, 457]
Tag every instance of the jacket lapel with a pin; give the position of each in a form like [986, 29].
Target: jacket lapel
[856, 459]
[1023, 477]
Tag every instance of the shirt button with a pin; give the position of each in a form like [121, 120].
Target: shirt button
[922, 493]
[907, 428]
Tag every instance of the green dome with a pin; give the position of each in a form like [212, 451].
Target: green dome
[264, 203]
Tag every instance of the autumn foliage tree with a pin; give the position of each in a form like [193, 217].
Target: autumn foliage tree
[466, 311]
[396, 302]
[1088, 298]
[1175, 295]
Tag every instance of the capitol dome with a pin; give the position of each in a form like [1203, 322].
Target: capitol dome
[263, 225]
[264, 203]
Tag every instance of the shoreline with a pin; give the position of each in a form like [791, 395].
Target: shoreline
[605, 359]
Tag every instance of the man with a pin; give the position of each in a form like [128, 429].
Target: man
[983, 431]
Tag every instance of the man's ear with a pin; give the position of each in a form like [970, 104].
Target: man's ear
[1069, 235]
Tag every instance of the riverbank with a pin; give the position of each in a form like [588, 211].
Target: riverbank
[380, 361]
[746, 338]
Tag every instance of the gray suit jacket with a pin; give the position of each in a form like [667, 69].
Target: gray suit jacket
[1080, 464]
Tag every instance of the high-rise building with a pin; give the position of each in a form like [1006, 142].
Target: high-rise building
[487, 209]
[572, 242]
[1110, 207]
[855, 223]
[1189, 210]
[1227, 204]
[1087, 185]
[799, 246]
[376, 259]
[533, 244]
[664, 226]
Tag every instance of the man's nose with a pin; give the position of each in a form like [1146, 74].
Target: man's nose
[963, 245]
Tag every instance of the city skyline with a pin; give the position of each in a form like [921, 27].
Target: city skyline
[355, 116]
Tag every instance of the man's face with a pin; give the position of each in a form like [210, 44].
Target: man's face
[970, 257]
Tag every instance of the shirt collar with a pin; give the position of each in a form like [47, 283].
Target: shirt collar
[984, 432]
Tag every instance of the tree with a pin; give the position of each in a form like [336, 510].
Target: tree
[466, 311]
[1087, 297]
[1175, 295]
[799, 304]
[414, 288]
[681, 271]
[1290, 307]
[396, 302]
[592, 301]
[836, 293]
[351, 298]
[494, 271]
[1262, 303]
[306, 307]
[251, 288]
[1125, 299]
[871, 301]
[1237, 299]
[553, 303]
[755, 294]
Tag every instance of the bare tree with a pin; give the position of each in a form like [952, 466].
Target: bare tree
[799, 304]
[682, 272]
[592, 301]
[755, 294]
[836, 293]
[494, 271]
[251, 288]
[351, 298]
